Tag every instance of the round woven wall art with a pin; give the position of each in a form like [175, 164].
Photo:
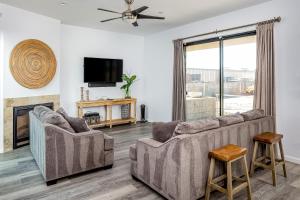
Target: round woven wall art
[32, 64]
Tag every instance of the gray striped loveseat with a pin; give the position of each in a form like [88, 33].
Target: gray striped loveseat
[59, 153]
[178, 168]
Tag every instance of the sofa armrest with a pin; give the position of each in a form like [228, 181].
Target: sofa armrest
[37, 141]
[108, 143]
[132, 152]
[158, 164]
[156, 144]
[70, 153]
[87, 133]
[169, 167]
[151, 142]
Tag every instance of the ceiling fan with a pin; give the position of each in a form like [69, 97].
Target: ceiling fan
[131, 16]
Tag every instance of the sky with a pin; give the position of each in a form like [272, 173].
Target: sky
[235, 57]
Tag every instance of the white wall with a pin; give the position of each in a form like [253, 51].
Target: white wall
[1, 91]
[159, 64]
[72, 44]
[78, 43]
[18, 25]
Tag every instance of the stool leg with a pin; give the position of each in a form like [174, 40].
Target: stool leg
[282, 158]
[229, 181]
[273, 164]
[252, 167]
[267, 153]
[247, 177]
[210, 178]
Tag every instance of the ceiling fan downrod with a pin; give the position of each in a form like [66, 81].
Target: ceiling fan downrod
[129, 2]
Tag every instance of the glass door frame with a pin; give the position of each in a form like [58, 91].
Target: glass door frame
[221, 40]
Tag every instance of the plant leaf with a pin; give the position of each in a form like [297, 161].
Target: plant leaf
[133, 77]
[125, 78]
[124, 87]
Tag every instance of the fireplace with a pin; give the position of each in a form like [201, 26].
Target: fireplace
[21, 124]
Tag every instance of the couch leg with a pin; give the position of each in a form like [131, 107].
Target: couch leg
[49, 183]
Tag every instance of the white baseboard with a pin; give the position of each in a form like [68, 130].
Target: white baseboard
[292, 159]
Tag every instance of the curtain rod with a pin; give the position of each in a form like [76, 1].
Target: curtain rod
[275, 19]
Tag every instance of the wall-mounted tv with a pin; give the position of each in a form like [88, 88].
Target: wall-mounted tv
[102, 70]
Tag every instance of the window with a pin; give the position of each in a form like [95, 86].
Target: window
[220, 75]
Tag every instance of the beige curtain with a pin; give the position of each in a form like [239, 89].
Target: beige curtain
[264, 97]
[179, 87]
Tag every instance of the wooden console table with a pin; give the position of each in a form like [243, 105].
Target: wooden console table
[108, 104]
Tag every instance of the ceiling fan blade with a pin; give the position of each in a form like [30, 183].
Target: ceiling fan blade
[109, 11]
[140, 16]
[111, 19]
[135, 24]
[139, 10]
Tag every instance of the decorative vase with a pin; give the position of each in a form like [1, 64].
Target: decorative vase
[87, 95]
[127, 94]
[125, 111]
[81, 94]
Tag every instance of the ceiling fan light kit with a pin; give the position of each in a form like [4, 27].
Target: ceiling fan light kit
[131, 16]
[130, 19]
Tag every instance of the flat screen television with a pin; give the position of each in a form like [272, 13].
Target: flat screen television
[102, 70]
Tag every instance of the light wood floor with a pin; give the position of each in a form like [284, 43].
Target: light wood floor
[21, 179]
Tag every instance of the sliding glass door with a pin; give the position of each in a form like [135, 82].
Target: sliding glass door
[202, 80]
[239, 74]
[220, 75]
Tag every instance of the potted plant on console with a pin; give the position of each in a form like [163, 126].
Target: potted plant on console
[128, 81]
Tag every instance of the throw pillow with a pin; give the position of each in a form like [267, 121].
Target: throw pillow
[162, 131]
[40, 111]
[78, 124]
[253, 114]
[57, 120]
[230, 119]
[196, 126]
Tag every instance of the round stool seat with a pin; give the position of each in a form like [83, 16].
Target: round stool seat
[228, 153]
[268, 138]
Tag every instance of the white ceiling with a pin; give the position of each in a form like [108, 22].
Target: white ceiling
[177, 12]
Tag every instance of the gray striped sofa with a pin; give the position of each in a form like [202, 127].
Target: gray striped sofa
[178, 168]
[59, 153]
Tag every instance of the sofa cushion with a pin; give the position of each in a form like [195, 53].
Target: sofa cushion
[40, 111]
[196, 126]
[253, 114]
[56, 119]
[230, 119]
[162, 131]
[78, 124]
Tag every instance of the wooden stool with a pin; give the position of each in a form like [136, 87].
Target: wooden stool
[228, 154]
[270, 140]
